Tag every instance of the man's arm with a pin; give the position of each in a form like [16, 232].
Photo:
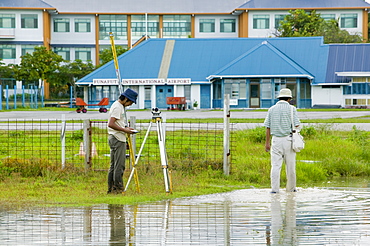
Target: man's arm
[268, 139]
[112, 124]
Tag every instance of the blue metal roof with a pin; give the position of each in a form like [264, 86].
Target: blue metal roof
[254, 64]
[25, 4]
[198, 59]
[303, 4]
[347, 58]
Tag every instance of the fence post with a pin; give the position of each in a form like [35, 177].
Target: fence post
[15, 97]
[227, 157]
[87, 144]
[1, 97]
[63, 140]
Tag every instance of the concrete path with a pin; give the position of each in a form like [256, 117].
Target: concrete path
[248, 114]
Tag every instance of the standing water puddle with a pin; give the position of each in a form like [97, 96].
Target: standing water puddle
[316, 216]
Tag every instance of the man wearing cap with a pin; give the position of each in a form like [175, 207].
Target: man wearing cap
[117, 131]
[278, 125]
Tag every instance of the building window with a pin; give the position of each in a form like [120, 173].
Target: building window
[176, 26]
[83, 54]
[348, 21]
[65, 53]
[27, 49]
[82, 25]
[278, 19]
[117, 24]
[61, 25]
[266, 89]
[328, 17]
[228, 25]
[141, 26]
[7, 51]
[29, 21]
[7, 21]
[305, 89]
[236, 88]
[261, 21]
[207, 25]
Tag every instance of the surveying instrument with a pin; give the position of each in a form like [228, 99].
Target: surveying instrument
[157, 119]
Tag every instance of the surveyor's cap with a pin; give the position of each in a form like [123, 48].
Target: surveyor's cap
[285, 93]
[130, 95]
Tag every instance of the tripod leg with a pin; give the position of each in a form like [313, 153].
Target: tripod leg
[134, 171]
[163, 153]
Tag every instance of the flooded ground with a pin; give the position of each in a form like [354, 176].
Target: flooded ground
[311, 216]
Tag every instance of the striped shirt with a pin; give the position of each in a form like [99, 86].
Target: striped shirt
[278, 119]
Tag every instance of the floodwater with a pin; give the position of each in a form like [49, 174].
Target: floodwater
[311, 216]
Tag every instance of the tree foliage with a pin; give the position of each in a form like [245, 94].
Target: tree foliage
[302, 24]
[41, 64]
[106, 55]
[6, 71]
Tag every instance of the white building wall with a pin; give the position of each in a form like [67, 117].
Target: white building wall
[327, 96]
[73, 37]
[19, 35]
[217, 33]
[254, 33]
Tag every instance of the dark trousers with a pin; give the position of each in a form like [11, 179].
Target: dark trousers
[117, 164]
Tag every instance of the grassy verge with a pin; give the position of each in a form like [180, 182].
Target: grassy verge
[328, 154]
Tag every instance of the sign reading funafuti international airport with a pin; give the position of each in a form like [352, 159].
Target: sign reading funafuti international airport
[180, 81]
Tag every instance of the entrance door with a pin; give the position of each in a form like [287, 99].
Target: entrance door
[254, 101]
[162, 92]
[205, 96]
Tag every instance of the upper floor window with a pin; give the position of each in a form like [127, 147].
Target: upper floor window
[348, 20]
[328, 17]
[65, 53]
[141, 25]
[261, 21]
[117, 24]
[29, 21]
[7, 21]
[176, 26]
[227, 25]
[83, 54]
[7, 51]
[61, 25]
[207, 25]
[278, 19]
[82, 25]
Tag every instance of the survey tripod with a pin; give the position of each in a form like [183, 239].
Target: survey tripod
[157, 119]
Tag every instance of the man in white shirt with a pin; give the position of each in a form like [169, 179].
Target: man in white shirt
[278, 124]
[117, 130]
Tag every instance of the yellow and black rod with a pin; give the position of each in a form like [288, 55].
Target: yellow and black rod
[128, 136]
[118, 73]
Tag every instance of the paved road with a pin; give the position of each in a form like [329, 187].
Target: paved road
[198, 114]
[248, 114]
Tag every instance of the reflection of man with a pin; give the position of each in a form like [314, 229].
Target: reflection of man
[117, 225]
[283, 229]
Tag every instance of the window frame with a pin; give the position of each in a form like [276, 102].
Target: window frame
[349, 20]
[10, 18]
[58, 23]
[261, 21]
[29, 18]
[207, 25]
[229, 23]
[80, 22]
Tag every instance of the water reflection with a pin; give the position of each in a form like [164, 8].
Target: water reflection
[246, 217]
[282, 230]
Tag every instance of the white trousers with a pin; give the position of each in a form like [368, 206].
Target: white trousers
[281, 150]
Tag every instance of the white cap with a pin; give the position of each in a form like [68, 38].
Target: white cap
[285, 93]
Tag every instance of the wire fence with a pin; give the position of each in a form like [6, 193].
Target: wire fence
[39, 143]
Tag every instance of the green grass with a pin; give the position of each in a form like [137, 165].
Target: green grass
[328, 154]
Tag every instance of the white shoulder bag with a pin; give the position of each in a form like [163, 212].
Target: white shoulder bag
[297, 138]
